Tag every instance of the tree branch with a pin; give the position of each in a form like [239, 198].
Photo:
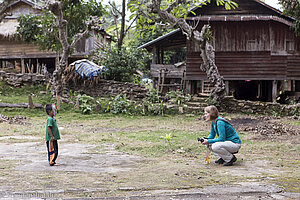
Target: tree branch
[176, 3]
[3, 6]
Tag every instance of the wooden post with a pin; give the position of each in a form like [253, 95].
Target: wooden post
[297, 86]
[227, 87]
[162, 56]
[154, 55]
[28, 69]
[158, 56]
[189, 87]
[30, 103]
[259, 90]
[29, 66]
[37, 66]
[23, 65]
[159, 80]
[290, 85]
[274, 90]
[163, 80]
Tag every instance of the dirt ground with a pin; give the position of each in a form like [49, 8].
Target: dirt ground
[94, 171]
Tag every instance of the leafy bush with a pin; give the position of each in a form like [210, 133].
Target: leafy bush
[178, 97]
[119, 104]
[86, 103]
[122, 65]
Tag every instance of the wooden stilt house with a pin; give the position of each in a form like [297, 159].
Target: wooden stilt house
[21, 57]
[257, 52]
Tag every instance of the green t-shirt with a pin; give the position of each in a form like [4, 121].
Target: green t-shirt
[53, 125]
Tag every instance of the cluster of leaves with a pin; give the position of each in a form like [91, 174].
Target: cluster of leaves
[212, 101]
[86, 102]
[148, 18]
[42, 30]
[292, 8]
[122, 64]
[178, 97]
[121, 105]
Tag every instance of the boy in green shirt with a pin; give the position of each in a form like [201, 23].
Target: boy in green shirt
[52, 134]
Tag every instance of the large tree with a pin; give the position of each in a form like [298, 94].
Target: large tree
[60, 28]
[173, 12]
[292, 8]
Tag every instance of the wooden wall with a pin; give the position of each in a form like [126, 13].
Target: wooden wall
[254, 50]
[15, 49]
[240, 66]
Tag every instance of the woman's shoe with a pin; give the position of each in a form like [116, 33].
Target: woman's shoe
[220, 161]
[230, 163]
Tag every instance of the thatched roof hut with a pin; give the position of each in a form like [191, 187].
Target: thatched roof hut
[8, 27]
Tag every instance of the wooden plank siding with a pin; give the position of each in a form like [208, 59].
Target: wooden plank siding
[14, 49]
[241, 66]
[293, 68]
[256, 50]
[171, 71]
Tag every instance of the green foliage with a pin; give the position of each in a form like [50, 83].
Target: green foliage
[168, 138]
[86, 103]
[42, 30]
[119, 104]
[178, 97]
[151, 20]
[212, 101]
[122, 65]
[152, 96]
[292, 8]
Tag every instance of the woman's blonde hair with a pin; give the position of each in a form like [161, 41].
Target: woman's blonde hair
[213, 111]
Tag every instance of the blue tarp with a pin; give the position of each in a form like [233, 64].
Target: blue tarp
[86, 68]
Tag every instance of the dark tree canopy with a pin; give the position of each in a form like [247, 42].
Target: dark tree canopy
[292, 8]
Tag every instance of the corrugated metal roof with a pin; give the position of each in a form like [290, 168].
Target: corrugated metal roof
[159, 38]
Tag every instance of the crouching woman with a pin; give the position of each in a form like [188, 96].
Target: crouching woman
[227, 143]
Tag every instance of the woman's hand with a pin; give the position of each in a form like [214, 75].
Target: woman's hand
[205, 142]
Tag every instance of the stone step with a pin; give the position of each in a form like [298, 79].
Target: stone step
[199, 99]
[196, 104]
[190, 109]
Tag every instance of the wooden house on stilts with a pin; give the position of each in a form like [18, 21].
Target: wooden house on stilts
[257, 52]
[21, 57]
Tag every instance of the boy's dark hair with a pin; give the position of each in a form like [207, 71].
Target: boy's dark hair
[48, 108]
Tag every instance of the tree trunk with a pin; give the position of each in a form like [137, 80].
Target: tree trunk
[122, 32]
[211, 69]
[207, 51]
[61, 23]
